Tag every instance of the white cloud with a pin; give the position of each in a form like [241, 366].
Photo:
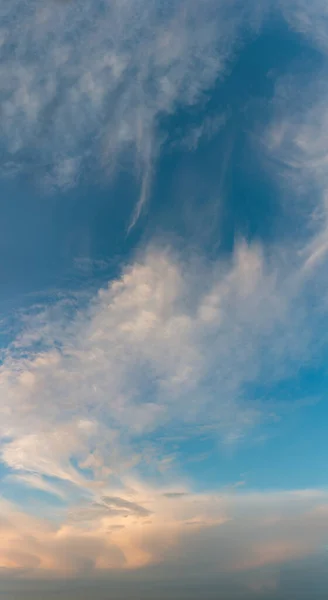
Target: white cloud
[171, 345]
[297, 144]
[167, 342]
[204, 132]
[48, 452]
[310, 19]
[87, 83]
[36, 482]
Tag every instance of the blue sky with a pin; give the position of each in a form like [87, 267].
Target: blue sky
[163, 307]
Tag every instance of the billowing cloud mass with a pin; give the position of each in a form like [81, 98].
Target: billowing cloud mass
[173, 341]
[101, 388]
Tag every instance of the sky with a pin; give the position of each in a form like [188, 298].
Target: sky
[164, 299]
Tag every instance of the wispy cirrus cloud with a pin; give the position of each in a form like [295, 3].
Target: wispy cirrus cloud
[308, 19]
[296, 143]
[84, 85]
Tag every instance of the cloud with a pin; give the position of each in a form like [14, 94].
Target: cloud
[36, 482]
[172, 347]
[85, 89]
[48, 452]
[203, 132]
[177, 345]
[168, 347]
[175, 494]
[308, 19]
[296, 144]
[86, 86]
[170, 343]
[130, 507]
[230, 533]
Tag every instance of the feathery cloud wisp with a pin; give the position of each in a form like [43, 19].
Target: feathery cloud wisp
[87, 83]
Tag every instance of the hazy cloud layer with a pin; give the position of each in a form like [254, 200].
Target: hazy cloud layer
[209, 534]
